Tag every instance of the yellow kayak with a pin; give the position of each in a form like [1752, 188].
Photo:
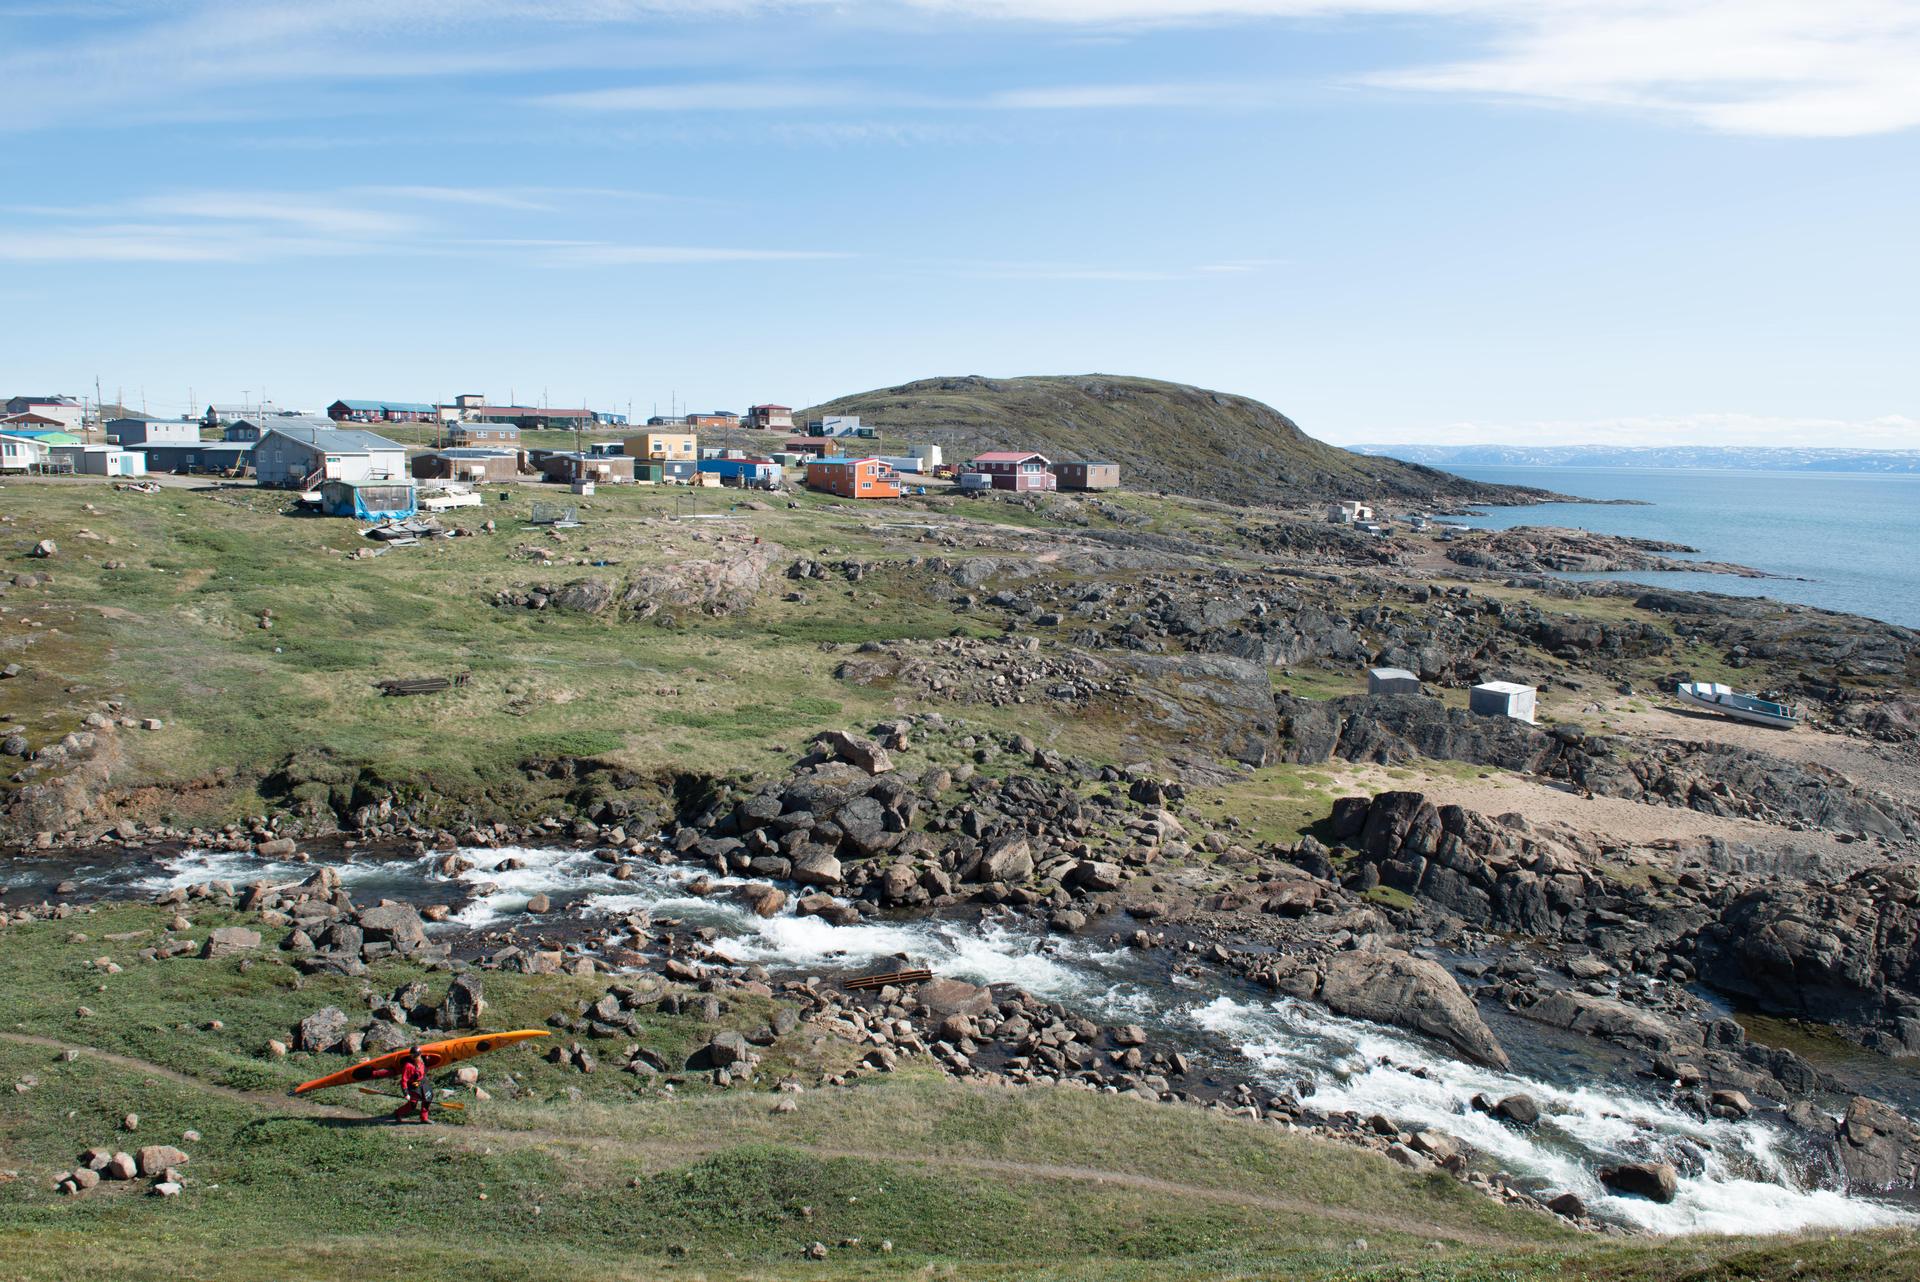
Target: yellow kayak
[438, 1055]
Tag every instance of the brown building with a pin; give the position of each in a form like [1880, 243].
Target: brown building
[1087, 474]
[777, 418]
[489, 435]
[854, 478]
[565, 467]
[480, 466]
[813, 446]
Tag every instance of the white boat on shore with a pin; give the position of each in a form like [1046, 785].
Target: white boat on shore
[1715, 697]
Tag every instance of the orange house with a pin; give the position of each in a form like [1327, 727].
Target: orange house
[854, 478]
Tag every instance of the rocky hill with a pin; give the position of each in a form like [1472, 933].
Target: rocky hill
[1169, 436]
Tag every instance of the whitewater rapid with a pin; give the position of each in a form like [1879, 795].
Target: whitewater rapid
[1736, 1176]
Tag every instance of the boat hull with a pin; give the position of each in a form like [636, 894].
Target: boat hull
[1714, 702]
[437, 1054]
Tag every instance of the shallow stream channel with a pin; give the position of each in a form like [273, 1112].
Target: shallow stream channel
[1753, 1175]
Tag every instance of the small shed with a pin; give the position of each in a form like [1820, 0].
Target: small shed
[462, 464]
[567, 466]
[1087, 474]
[1392, 681]
[1503, 699]
[369, 500]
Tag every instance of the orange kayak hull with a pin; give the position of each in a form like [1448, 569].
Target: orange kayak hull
[437, 1054]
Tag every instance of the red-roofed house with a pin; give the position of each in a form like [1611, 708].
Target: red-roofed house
[1014, 470]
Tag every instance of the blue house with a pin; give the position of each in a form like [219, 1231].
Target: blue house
[751, 473]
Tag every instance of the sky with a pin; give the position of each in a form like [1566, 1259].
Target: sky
[1520, 221]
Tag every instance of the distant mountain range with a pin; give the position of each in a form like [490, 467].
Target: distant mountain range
[1756, 458]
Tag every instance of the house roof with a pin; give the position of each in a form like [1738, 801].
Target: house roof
[67, 401]
[1007, 456]
[839, 460]
[470, 451]
[1090, 462]
[45, 435]
[390, 407]
[524, 411]
[752, 408]
[330, 439]
[23, 440]
[265, 409]
[18, 421]
[152, 447]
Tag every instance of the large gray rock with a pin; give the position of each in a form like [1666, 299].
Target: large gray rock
[1392, 987]
[943, 997]
[857, 749]
[1879, 1148]
[227, 941]
[397, 924]
[1655, 1181]
[154, 1159]
[464, 1006]
[1009, 860]
[323, 1030]
[817, 868]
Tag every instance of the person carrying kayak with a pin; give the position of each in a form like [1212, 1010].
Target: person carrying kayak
[413, 1085]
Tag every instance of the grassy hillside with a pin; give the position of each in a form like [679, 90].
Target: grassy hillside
[1169, 436]
[607, 1176]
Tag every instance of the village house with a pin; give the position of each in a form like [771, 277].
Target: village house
[63, 410]
[129, 432]
[1013, 470]
[1348, 512]
[662, 445]
[98, 460]
[22, 454]
[810, 446]
[747, 473]
[39, 427]
[381, 412]
[777, 418]
[221, 415]
[502, 436]
[187, 457]
[1087, 474]
[567, 466]
[301, 453]
[854, 478]
[721, 419]
[839, 425]
[479, 466]
[471, 409]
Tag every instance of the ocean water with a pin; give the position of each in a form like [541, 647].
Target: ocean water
[1853, 538]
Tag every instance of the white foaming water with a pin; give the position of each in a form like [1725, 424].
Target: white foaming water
[196, 867]
[1734, 1177]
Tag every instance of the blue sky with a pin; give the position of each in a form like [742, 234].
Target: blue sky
[1394, 220]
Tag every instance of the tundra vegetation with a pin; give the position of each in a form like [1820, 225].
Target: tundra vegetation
[1171, 687]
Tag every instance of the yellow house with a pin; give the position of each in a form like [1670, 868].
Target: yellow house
[662, 445]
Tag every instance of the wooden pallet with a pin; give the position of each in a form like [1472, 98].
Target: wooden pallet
[896, 977]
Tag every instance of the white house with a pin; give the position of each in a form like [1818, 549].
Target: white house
[22, 453]
[100, 460]
[301, 454]
[66, 411]
[153, 431]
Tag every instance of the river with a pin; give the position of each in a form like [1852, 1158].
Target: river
[1744, 1176]
[1845, 540]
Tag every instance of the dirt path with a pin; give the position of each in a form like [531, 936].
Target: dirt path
[1542, 802]
[470, 1132]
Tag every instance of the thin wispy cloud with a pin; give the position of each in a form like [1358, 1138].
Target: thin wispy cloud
[754, 96]
[1784, 68]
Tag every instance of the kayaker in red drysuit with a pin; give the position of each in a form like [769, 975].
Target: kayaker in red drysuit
[413, 1084]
